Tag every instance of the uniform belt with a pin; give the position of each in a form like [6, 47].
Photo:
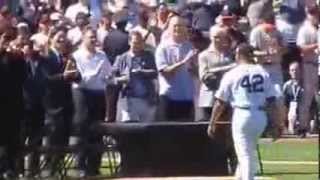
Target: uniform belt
[260, 108]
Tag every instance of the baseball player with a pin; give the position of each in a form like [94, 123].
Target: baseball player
[249, 91]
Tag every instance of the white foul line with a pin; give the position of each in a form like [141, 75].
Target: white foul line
[292, 162]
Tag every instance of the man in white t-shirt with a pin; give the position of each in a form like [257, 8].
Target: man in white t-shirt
[248, 90]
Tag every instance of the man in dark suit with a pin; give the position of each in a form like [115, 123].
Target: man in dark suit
[33, 91]
[12, 76]
[57, 100]
[115, 43]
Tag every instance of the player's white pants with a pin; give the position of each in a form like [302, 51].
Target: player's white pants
[247, 126]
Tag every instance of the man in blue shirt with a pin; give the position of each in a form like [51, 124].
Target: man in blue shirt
[175, 81]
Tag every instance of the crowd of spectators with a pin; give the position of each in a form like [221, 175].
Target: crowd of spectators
[65, 65]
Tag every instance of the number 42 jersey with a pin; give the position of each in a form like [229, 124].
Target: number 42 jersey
[246, 86]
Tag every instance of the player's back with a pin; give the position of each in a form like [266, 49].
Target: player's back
[250, 86]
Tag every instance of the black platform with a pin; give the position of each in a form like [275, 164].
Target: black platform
[167, 149]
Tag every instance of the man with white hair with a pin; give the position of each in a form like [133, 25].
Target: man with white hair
[213, 63]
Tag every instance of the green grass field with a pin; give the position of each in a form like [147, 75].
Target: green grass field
[291, 150]
[286, 159]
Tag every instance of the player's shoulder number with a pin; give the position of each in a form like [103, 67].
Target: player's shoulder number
[253, 83]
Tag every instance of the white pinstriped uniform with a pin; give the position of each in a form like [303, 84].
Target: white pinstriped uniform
[246, 88]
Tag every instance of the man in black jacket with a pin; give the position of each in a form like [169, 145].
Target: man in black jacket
[33, 91]
[57, 100]
[115, 43]
[12, 76]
